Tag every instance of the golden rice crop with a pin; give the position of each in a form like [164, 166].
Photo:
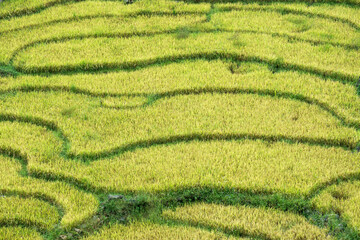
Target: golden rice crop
[259, 166]
[19, 233]
[294, 25]
[200, 74]
[167, 119]
[99, 53]
[257, 222]
[29, 211]
[247, 165]
[90, 128]
[154, 231]
[78, 205]
[95, 26]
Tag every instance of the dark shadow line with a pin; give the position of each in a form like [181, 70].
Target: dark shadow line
[174, 139]
[286, 203]
[73, 90]
[197, 91]
[16, 154]
[41, 197]
[295, 204]
[335, 181]
[87, 17]
[23, 160]
[147, 34]
[136, 65]
[187, 137]
[50, 126]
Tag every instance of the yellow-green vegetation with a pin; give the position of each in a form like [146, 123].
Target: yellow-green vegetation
[193, 119]
[10, 8]
[104, 52]
[343, 199]
[27, 211]
[247, 165]
[77, 205]
[244, 164]
[90, 128]
[144, 230]
[98, 26]
[197, 75]
[19, 233]
[243, 220]
[80, 8]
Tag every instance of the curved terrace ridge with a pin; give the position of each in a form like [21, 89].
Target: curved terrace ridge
[281, 10]
[280, 201]
[153, 97]
[82, 199]
[155, 33]
[118, 150]
[136, 65]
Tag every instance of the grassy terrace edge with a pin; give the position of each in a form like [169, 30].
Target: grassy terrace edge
[135, 206]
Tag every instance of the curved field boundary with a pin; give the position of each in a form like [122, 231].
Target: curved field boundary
[298, 204]
[219, 10]
[29, 223]
[135, 65]
[173, 139]
[69, 215]
[44, 198]
[40, 8]
[269, 199]
[155, 33]
[23, 160]
[153, 97]
[272, 199]
[9, 152]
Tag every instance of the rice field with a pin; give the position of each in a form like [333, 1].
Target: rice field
[164, 119]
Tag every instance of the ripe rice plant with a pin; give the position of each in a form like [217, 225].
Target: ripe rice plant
[58, 57]
[19, 233]
[218, 114]
[263, 223]
[155, 231]
[27, 211]
[165, 119]
[78, 206]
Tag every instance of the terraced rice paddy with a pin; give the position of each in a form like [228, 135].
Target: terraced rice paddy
[168, 119]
